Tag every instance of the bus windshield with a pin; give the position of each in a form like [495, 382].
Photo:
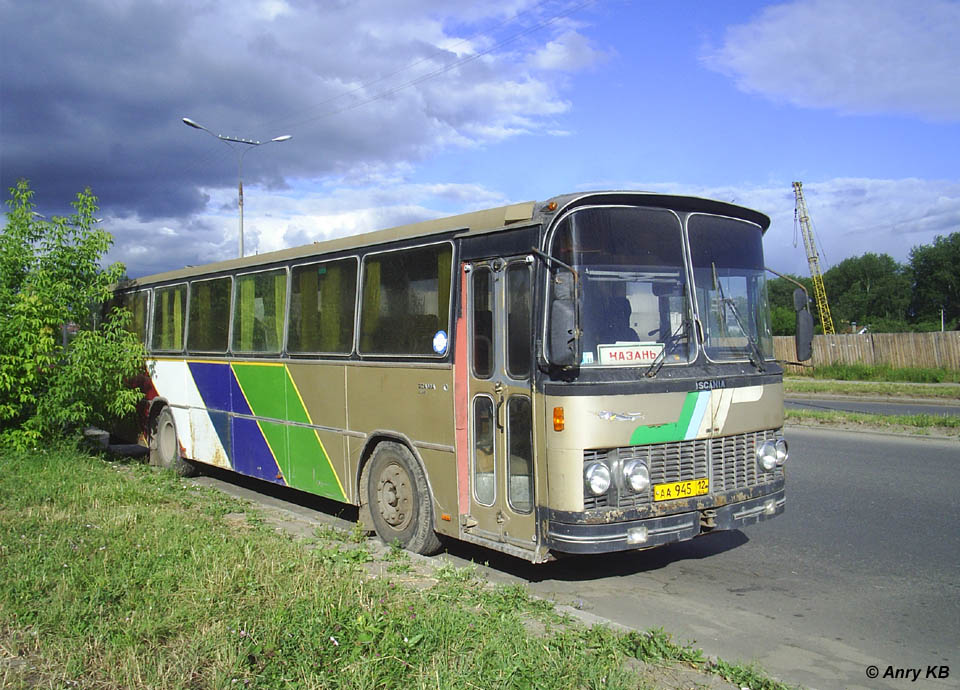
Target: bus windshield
[727, 257]
[635, 302]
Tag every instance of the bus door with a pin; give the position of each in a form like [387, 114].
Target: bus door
[501, 479]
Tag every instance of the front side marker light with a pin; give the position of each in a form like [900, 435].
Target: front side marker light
[596, 478]
[558, 419]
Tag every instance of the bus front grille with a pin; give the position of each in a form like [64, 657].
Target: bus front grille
[729, 462]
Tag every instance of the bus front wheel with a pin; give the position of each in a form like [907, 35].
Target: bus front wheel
[165, 446]
[400, 501]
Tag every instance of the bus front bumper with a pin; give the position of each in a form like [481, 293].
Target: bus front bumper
[602, 537]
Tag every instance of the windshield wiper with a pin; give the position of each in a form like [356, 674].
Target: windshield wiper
[667, 350]
[754, 354]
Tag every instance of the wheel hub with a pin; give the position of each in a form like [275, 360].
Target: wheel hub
[394, 496]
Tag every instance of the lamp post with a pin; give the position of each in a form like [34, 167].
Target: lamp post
[249, 144]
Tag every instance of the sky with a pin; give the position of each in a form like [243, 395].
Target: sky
[404, 110]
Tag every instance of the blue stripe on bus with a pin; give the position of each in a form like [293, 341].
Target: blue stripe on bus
[213, 382]
[252, 455]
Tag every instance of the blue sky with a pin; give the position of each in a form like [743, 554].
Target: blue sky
[411, 109]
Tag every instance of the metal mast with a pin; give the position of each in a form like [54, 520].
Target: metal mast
[801, 214]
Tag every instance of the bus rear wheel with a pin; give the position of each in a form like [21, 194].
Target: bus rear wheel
[399, 500]
[165, 446]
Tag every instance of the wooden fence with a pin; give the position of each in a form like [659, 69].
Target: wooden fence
[936, 349]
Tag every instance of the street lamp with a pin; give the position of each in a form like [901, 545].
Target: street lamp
[230, 141]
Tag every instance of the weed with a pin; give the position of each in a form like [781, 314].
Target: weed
[398, 558]
[330, 533]
[358, 533]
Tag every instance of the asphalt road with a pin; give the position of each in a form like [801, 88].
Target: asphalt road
[861, 570]
[850, 404]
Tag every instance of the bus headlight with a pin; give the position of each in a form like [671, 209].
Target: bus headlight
[781, 451]
[596, 478]
[767, 456]
[636, 476]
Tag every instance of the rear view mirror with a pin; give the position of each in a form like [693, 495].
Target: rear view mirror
[565, 346]
[804, 337]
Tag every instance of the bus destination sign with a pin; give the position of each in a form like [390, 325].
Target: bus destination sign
[627, 354]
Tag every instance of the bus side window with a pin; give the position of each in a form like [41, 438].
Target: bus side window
[258, 309]
[136, 303]
[209, 315]
[322, 303]
[406, 302]
[169, 309]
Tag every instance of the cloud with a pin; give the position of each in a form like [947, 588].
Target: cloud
[570, 51]
[853, 56]
[850, 216]
[311, 213]
[92, 95]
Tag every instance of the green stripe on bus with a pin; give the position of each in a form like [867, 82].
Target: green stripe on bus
[664, 433]
[302, 459]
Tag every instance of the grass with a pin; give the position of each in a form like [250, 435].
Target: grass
[881, 389]
[883, 372]
[949, 425]
[116, 576]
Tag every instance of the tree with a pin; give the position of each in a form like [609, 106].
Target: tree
[780, 295]
[51, 279]
[935, 273]
[868, 288]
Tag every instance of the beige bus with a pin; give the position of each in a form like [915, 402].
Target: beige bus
[587, 374]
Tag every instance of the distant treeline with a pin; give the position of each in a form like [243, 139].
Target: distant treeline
[876, 292]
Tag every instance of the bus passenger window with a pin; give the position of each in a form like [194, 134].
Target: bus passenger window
[209, 315]
[406, 302]
[322, 303]
[136, 303]
[258, 309]
[520, 448]
[482, 322]
[169, 309]
[484, 474]
[518, 320]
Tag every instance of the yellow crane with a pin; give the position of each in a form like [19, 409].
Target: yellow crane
[801, 215]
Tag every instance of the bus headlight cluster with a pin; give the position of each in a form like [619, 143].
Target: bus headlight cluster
[633, 475]
[636, 476]
[596, 478]
[772, 454]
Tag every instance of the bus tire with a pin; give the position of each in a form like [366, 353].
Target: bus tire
[399, 500]
[165, 446]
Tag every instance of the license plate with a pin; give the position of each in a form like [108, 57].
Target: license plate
[672, 490]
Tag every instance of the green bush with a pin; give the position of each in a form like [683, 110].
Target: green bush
[51, 281]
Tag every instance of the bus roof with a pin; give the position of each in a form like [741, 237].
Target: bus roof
[476, 222]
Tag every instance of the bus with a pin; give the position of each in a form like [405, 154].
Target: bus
[588, 374]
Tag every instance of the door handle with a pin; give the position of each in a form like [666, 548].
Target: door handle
[499, 407]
